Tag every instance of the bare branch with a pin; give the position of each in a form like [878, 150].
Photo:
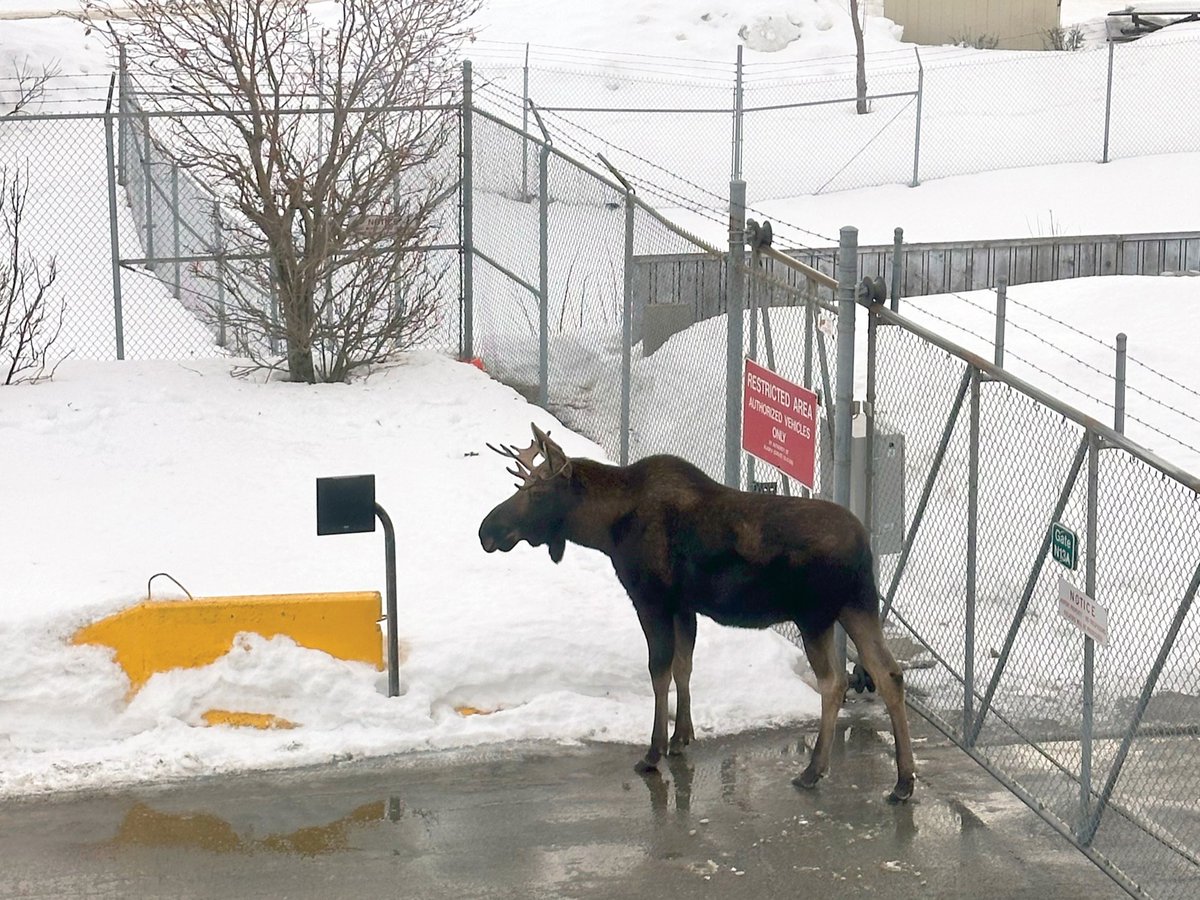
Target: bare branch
[29, 324]
[31, 86]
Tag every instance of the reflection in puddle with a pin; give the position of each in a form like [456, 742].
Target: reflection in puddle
[145, 826]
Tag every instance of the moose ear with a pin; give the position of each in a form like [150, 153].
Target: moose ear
[557, 461]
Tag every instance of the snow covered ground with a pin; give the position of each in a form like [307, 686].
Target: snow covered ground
[112, 472]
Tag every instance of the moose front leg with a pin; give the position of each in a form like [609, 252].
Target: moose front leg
[681, 669]
[659, 629]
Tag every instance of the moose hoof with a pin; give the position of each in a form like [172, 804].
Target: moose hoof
[902, 791]
[677, 744]
[807, 779]
[648, 764]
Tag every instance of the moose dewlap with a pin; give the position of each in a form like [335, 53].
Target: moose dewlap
[683, 545]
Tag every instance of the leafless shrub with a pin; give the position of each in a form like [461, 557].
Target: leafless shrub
[30, 323]
[1060, 38]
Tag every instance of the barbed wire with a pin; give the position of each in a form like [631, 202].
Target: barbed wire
[1107, 346]
[1055, 378]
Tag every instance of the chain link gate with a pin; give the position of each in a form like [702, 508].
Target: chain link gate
[1101, 741]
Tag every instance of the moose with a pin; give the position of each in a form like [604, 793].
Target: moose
[682, 544]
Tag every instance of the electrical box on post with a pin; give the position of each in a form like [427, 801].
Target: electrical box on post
[887, 483]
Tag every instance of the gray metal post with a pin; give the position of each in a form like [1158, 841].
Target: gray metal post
[735, 304]
[1119, 403]
[219, 249]
[149, 176]
[122, 101]
[1112, 48]
[627, 330]
[466, 348]
[273, 277]
[113, 235]
[175, 221]
[897, 268]
[916, 179]
[1089, 646]
[847, 275]
[843, 409]
[1001, 313]
[393, 645]
[738, 101]
[544, 275]
[525, 128]
[972, 558]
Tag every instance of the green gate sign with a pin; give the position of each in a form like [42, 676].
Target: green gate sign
[1064, 545]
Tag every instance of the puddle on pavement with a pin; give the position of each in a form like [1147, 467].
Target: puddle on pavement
[145, 826]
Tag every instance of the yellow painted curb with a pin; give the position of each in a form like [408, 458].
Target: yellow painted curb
[157, 636]
[245, 719]
[472, 711]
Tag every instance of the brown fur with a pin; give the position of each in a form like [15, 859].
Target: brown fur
[682, 545]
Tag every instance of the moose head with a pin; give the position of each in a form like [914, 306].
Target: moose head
[537, 512]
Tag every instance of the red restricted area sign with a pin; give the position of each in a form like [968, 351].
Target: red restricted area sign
[779, 422]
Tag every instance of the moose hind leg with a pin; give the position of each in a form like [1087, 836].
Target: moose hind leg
[681, 670]
[831, 682]
[660, 641]
[864, 629]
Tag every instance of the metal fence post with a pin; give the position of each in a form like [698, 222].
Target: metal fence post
[916, 179]
[843, 408]
[1001, 312]
[735, 304]
[897, 268]
[738, 100]
[544, 275]
[1089, 646]
[1112, 48]
[466, 349]
[218, 249]
[149, 175]
[972, 558]
[525, 127]
[273, 276]
[122, 124]
[113, 234]
[843, 413]
[175, 221]
[1119, 402]
[627, 329]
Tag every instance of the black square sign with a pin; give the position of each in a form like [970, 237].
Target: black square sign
[346, 504]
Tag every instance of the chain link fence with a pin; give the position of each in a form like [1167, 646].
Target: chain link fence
[201, 249]
[932, 113]
[67, 220]
[1099, 738]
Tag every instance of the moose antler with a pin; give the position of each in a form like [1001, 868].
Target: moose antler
[524, 458]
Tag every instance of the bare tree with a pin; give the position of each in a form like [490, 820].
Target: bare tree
[29, 322]
[323, 145]
[861, 79]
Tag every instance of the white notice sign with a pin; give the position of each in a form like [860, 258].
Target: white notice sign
[1082, 611]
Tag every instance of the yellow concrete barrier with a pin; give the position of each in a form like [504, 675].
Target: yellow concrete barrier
[245, 719]
[157, 636]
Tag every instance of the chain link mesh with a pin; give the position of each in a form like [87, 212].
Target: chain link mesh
[67, 220]
[801, 130]
[1027, 696]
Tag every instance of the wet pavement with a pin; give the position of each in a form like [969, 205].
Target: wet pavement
[549, 822]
